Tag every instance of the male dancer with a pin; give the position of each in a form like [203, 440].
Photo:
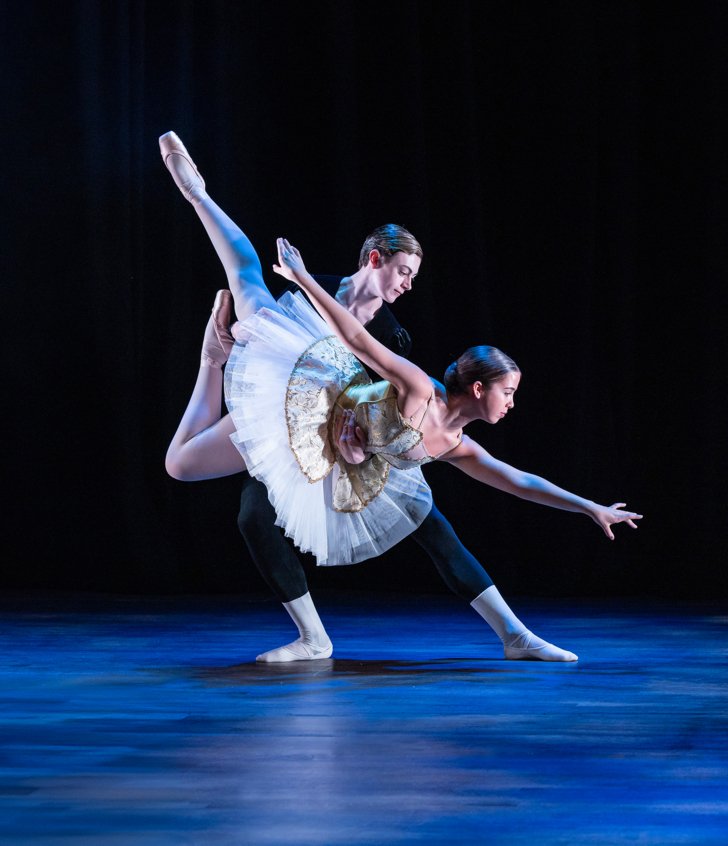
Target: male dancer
[388, 263]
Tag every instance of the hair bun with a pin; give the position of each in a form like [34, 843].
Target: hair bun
[452, 377]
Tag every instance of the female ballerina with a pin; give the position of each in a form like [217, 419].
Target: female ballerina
[356, 435]
[340, 456]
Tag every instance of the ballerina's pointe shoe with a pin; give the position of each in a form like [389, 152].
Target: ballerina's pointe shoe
[528, 647]
[218, 341]
[179, 163]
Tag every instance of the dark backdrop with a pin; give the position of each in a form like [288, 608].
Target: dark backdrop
[563, 165]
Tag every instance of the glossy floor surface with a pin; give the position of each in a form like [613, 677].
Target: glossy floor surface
[147, 721]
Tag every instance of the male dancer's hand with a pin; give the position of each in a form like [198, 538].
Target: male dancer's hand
[349, 438]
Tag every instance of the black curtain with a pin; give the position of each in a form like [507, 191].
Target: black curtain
[563, 165]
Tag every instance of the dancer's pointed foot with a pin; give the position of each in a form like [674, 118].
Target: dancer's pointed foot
[299, 650]
[179, 163]
[218, 341]
[528, 647]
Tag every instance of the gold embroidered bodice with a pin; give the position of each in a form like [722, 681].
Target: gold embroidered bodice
[388, 433]
[327, 379]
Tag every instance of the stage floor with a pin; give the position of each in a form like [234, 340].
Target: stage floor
[147, 722]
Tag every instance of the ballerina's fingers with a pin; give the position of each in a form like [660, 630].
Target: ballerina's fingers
[353, 431]
[627, 517]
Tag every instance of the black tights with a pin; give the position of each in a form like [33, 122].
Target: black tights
[280, 566]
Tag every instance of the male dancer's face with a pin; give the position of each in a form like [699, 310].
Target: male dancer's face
[396, 274]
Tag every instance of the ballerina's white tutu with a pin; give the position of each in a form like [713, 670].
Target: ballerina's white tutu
[286, 379]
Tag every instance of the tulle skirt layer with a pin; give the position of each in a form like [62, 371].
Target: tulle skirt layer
[287, 445]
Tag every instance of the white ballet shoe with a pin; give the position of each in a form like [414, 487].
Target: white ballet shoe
[179, 163]
[313, 643]
[519, 644]
[298, 650]
[218, 341]
[528, 647]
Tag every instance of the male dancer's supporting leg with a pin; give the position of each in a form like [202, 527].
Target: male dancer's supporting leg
[281, 568]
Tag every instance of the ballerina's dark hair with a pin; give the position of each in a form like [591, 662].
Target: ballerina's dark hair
[478, 364]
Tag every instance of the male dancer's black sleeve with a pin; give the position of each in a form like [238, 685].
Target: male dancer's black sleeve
[277, 559]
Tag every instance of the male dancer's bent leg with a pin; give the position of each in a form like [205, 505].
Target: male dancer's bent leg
[465, 576]
[459, 569]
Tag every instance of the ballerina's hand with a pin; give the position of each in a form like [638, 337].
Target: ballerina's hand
[606, 516]
[350, 440]
[290, 264]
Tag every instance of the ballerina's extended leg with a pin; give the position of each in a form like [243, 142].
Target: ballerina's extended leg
[201, 447]
[233, 247]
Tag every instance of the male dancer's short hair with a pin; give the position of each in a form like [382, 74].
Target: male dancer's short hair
[388, 240]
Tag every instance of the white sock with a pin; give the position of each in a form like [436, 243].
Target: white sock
[313, 642]
[519, 644]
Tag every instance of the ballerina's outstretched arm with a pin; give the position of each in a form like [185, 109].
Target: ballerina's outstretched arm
[410, 380]
[475, 461]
